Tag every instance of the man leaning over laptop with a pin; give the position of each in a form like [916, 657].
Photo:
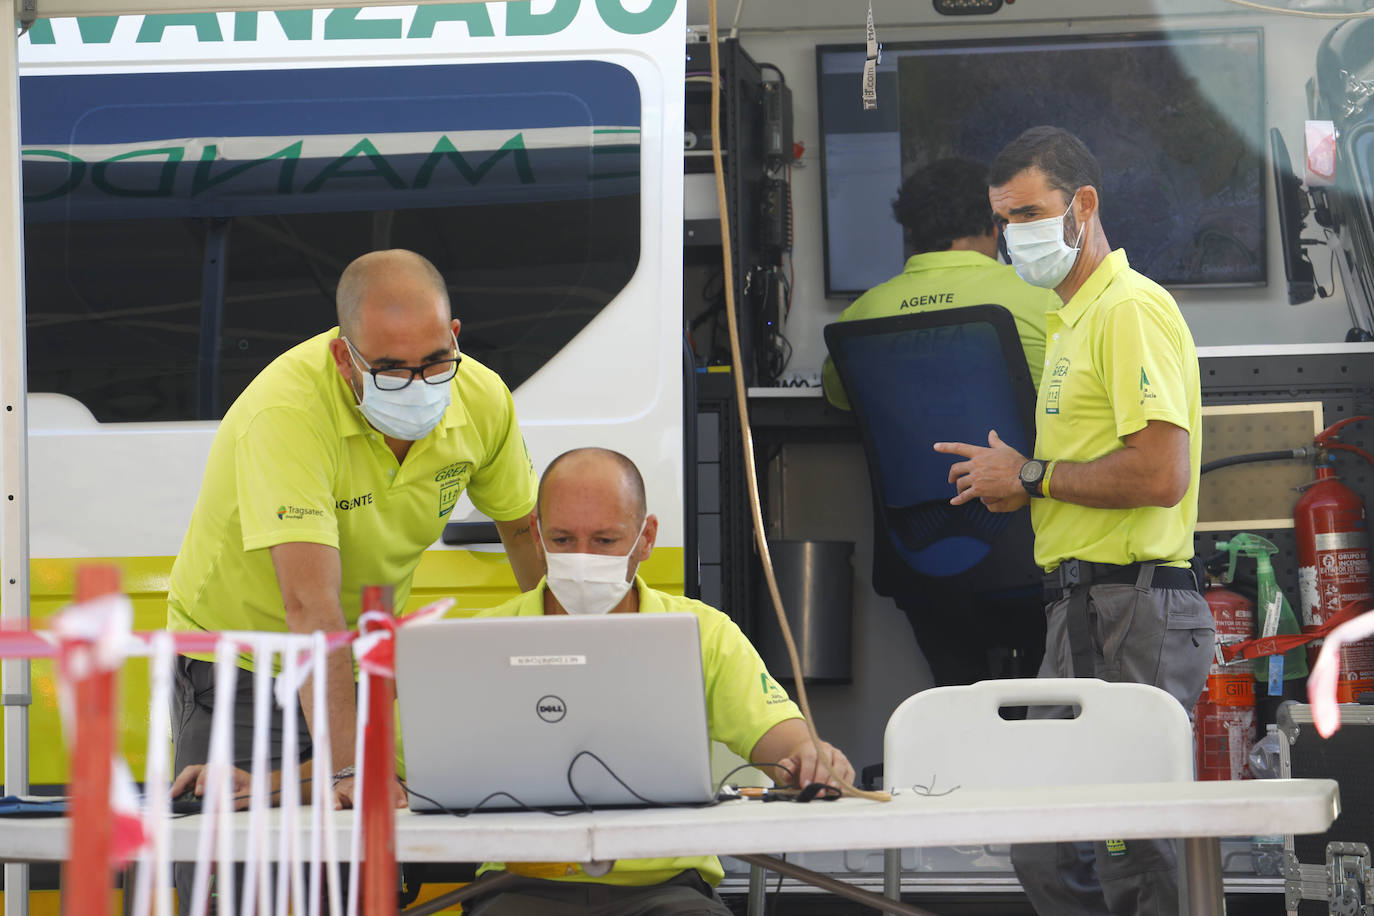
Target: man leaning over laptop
[593, 530]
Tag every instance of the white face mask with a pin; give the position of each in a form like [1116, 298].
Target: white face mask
[589, 583]
[1038, 250]
[409, 413]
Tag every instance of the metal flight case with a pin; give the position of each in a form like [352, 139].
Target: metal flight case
[1331, 872]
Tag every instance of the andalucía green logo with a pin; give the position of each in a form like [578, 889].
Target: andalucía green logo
[1144, 379]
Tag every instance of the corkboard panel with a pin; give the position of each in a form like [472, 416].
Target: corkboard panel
[1261, 495]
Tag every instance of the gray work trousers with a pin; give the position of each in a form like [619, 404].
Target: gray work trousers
[685, 894]
[193, 700]
[1156, 636]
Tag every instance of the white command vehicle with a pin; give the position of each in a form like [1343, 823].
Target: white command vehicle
[195, 183]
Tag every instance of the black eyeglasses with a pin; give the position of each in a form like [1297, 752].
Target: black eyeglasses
[394, 378]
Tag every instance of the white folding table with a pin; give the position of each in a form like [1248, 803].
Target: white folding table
[1198, 813]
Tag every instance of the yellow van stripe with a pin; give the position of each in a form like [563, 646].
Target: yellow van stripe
[477, 579]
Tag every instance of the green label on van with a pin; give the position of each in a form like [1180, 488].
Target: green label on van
[369, 24]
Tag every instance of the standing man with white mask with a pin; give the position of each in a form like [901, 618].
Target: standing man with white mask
[334, 469]
[1112, 488]
[594, 531]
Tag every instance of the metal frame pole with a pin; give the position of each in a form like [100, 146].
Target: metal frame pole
[214, 275]
[15, 693]
[834, 885]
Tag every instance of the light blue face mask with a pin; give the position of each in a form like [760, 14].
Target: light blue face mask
[1038, 250]
[408, 413]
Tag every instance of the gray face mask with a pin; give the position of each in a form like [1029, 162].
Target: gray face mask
[1038, 250]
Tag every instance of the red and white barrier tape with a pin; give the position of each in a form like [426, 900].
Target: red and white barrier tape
[96, 637]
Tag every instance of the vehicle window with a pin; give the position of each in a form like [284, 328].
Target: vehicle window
[183, 229]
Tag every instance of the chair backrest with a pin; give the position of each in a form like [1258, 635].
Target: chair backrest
[913, 380]
[957, 737]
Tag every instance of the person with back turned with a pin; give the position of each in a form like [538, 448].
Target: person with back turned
[948, 226]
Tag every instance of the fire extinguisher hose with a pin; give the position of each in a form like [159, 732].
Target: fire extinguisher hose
[1276, 645]
[1285, 454]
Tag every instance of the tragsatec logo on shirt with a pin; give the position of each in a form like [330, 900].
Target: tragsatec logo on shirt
[296, 513]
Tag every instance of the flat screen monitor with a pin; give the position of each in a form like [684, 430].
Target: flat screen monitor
[1175, 119]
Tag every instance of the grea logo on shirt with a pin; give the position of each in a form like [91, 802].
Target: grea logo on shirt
[452, 481]
[296, 513]
[1061, 369]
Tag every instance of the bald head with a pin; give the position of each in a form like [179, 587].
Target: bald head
[608, 475]
[393, 312]
[394, 280]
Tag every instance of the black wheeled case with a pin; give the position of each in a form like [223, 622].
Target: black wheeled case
[1331, 872]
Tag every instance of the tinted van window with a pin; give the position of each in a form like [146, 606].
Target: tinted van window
[183, 229]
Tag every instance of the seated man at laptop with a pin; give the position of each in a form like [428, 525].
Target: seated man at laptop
[595, 530]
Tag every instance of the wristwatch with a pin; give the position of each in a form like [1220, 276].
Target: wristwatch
[1032, 476]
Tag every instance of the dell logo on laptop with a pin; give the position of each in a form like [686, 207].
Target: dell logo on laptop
[551, 708]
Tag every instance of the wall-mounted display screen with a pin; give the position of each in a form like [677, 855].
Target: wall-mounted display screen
[1175, 119]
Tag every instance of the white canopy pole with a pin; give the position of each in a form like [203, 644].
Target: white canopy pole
[14, 447]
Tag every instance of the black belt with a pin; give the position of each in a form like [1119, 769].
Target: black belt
[1072, 573]
[1072, 578]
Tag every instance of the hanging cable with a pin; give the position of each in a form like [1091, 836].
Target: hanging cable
[741, 396]
[734, 26]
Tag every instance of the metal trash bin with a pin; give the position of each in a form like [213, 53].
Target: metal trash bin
[816, 580]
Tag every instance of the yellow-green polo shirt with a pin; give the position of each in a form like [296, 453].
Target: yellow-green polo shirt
[1120, 355]
[294, 461]
[949, 280]
[742, 703]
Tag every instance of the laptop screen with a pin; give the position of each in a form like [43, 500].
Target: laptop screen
[510, 712]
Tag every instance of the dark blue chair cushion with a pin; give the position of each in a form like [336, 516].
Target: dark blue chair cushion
[914, 380]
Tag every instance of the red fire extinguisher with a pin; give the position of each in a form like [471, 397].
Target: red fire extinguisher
[1333, 558]
[1224, 719]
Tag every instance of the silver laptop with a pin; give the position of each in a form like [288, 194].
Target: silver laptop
[509, 705]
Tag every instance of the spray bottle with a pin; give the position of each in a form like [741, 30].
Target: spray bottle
[1273, 613]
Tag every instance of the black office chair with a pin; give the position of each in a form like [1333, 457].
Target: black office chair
[964, 576]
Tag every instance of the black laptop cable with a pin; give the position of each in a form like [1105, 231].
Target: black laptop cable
[648, 801]
[464, 812]
[816, 790]
[720, 786]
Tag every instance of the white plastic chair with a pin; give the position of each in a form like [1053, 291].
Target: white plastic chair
[1123, 733]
